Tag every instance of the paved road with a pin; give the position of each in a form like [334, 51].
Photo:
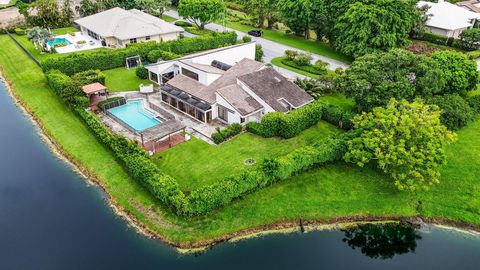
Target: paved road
[271, 49]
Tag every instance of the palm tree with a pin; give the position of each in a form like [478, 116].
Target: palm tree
[39, 36]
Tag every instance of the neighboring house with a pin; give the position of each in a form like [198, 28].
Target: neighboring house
[472, 5]
[226, 84]
[117, 27]
[448, 19]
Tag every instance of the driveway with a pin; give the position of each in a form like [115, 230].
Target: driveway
[271, 49]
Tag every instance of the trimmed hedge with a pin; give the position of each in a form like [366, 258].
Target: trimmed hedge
[206, 199]
[440, 40]
[338, 117]
[113, 58]
[155, 55]
[474, 102]
[141, 72]
[227, 133]
[277, 124]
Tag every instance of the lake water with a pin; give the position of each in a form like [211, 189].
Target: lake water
[50, 219]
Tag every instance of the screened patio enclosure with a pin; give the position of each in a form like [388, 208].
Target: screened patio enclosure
[188, 104]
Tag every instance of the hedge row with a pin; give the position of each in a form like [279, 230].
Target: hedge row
[203, 200]
[277, 124]
[113, 58]
[474, 103]
[440, 40]
[337, 116]
[155, 55]
[225, 134]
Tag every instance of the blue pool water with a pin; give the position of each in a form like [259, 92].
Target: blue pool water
[135, 115]
[56, 41]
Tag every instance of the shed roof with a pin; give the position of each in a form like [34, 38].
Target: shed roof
[93, 87]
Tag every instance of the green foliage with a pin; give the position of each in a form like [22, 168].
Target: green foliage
[246, 39]
[202, 12]
[57, 80]
[20, 31]
[291, 54]
[183, 24]
[227, 133]
[409, 76]
[89, 76]
[141, 72]
[303, 59]
[109, 59]
[456, 113]
[156, 55]
[263, 10]
[460, 73]
[316, 87]
[50, 14]
[370, 26]
[474, 103]
[277, 124]
[258, 53]
[337, 116]
[89, 7]
[301, 15]
[405, 140]
[470, 39]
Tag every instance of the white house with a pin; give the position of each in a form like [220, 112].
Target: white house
[448, 19]
[226, 84]
[117, 27]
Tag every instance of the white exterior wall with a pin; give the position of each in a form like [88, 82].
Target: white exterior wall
[203, 77]
[232, 117]
[449, 33]
[229, 56]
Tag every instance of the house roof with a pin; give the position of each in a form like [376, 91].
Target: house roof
[239, 99]
[445, 15]
[472, 5]
[94, 87]
[126, 24]
[202, 67]
[272, 87]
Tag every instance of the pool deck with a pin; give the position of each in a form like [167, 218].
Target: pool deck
[90, 44]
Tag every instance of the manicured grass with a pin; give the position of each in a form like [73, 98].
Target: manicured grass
[333, 191]
[36, 52]
[168, 18]
[316, 47]
[339, 100]
[278, 62]
[123, 79]
[196, 163]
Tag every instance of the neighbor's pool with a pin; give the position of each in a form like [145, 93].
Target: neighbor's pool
[135, 115]
[56, 41]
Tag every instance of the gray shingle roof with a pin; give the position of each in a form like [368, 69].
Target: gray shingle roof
[239, 99]
[271, 86]
[125, 24]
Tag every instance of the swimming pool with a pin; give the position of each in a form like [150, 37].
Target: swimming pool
[135, 115]
[56, 41]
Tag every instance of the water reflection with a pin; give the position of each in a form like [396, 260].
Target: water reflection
[382, 241]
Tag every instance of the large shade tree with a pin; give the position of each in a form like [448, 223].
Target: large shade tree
[301, 16]
[202, 12]
[459, 71]
[371, 25]
[263, 10]
[405, 140]
[372, 80]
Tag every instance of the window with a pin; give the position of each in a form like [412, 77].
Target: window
[164, 98]
[154, 77]
[191, 110]
[147, 38]
[242, 120]
[223, 113]
[181, 106]
[201, 116]
[173, 102]
[190, 74]
[133, 40]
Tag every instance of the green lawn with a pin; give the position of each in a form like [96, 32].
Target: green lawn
[37, 53]
[123, 79]
[196, 163]
[168, 18]
[336, 190]
[278, 62]
[316, 47]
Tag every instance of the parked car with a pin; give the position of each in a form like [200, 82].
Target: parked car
[255, 33]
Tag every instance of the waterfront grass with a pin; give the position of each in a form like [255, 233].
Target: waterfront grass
[196, 163]
[336, 190]
[123, 79]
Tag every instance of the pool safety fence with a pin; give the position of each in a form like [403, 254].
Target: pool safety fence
[113, 104]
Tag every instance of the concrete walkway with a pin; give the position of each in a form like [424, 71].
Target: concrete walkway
[271, 49]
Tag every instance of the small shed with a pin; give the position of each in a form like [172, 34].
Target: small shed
[96, 92]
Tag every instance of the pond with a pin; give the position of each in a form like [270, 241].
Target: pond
[51, 219]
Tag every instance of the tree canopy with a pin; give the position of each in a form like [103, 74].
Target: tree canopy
[368, 26]
[264, 10]
[301, 15]
[460, 73]
[372, 80]
[201, 12]
[405, 140]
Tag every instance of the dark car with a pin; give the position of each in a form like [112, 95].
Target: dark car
[255, 33]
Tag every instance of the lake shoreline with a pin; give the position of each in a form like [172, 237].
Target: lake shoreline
[286, 225]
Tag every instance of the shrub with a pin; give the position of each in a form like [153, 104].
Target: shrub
[291, 54]
[183, 24]
[141, 72]
[474, 103]
[227, 133]
[258, 53]
[89, 76]
[316, 87]
[459, 72]
[308, 68]
[81, 42]
[20, 31]
[288, 125]
[156, 55]
[320, 66]
[470, 39]
[456, 113]
[337, 116]
[109, 59]
[57, 80]
[246, 39]
[303, 59]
